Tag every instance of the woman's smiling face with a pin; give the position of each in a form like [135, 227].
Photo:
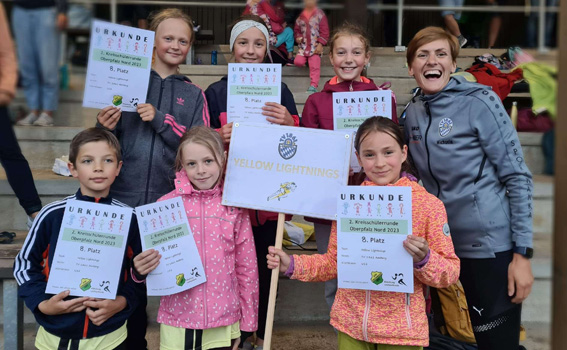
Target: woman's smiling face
[432, 66]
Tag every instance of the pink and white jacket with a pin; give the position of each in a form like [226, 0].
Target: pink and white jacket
[313, 29]
[224, 240]
[385, 317]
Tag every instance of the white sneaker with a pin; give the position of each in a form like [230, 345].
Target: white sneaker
[28, 119]
[44, 120]
[60, 166]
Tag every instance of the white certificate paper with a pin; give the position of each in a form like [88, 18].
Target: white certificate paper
[90, 250]
[350, 109]
[118, 72]
[372, 223]
[250, 86]
[164, 227]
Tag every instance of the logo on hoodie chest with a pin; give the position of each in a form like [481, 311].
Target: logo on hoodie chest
[445, 127]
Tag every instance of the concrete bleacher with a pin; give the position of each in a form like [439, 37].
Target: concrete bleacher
[41, 145]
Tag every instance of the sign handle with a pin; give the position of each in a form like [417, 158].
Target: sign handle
[273, 287]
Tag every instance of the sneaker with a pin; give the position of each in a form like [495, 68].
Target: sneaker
[60, 166]
[462, 41]
[28, 119]
[247, 346]
[311, 89]
[44, 120]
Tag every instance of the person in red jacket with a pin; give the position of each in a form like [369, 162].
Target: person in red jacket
[311, 34]
[349, 52]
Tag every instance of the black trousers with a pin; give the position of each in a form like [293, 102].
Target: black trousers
[495, 319]
[16, 166]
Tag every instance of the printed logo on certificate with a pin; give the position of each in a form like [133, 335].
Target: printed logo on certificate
[250, 86]
[120, 60]
[90, 250]
[373, 222]
[350, 109]
[164, 227]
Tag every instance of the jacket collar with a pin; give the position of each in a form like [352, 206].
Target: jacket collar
[402, 181]
[102, 200]
[184, 187]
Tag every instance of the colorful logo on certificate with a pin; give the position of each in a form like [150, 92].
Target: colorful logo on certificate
[85, 284]
[288, 146]
[445, 126]
[180, 279]
[117, 100]
[376, 277]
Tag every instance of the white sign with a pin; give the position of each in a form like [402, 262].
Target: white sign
[250, 86]
[90, 250]
[164, 227]
[373, 222]
[286, 169]
[350, 109]
[118, 72]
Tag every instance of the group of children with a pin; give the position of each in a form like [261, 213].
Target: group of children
[174, 146]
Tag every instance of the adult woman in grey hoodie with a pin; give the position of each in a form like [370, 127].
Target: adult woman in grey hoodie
[467, 153]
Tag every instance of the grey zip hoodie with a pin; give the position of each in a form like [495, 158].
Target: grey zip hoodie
[467, 153]
[149, 148]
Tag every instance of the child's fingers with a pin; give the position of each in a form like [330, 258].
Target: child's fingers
[60, 296]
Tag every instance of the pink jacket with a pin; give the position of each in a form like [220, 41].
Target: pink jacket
[385, 317]
[313, 30]
[224, 240]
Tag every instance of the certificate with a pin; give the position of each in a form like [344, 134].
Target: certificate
[372, 223]
[90, 250]
[350, 109]
[118, 72]
[250, 86]
[164, 227]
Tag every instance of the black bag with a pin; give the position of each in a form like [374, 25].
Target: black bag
[439, 341]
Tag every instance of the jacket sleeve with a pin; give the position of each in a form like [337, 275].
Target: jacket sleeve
[214, 113]
[289, 102]
[394, 109]
[8, 61]
[318, 267]
[129, 289]
[501, 146]
[246, 272]
[443, 266]
[30, 261]
[310, 115]
[170, 128]
[323, 30]
[297, 29]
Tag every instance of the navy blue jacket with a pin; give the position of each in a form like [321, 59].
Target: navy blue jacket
[32, 273]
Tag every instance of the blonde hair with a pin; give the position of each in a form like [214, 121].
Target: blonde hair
[350, 29]
[206, 137]
[156, 18]
[428, 35]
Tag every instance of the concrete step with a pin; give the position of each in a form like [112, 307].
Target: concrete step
[380, 56]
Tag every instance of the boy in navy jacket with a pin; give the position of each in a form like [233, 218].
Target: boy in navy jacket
[71, 322]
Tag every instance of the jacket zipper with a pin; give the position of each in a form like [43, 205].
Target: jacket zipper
[365, 318]
[350, 88]
[86, 326]
[427, 149]
[204, 255]
[152, 146]
[408, 314]
[480, 169]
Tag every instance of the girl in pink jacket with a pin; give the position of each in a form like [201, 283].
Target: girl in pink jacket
[361, 317]
[211, 315]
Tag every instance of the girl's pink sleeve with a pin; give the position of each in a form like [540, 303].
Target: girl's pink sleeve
[297, 29]
[310, 116]
[323, 31]
[246, 272]
[318, 267]
[442, 269]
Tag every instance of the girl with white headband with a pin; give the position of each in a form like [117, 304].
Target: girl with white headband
[249, 40]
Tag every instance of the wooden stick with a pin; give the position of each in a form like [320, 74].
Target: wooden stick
[273, 287]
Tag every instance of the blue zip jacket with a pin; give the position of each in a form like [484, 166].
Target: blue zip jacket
[467, 153]
[31, 270]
